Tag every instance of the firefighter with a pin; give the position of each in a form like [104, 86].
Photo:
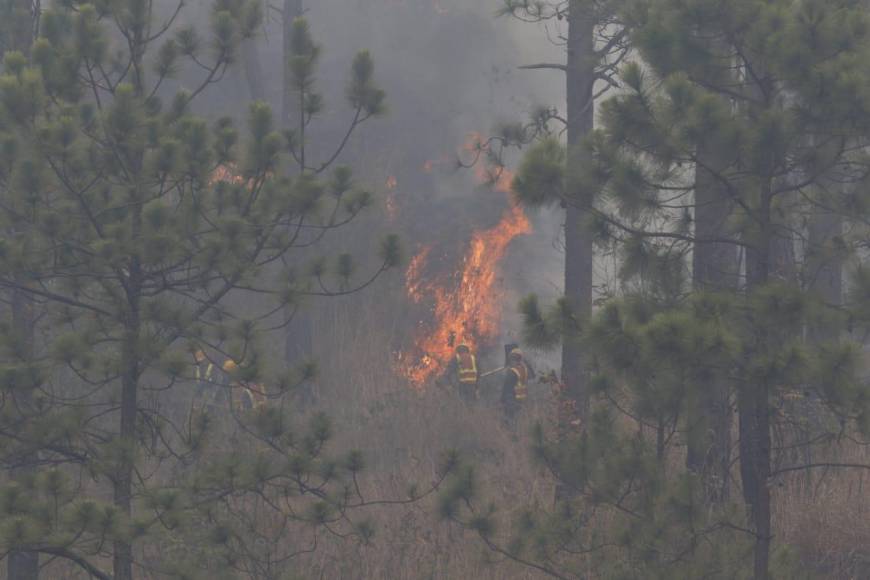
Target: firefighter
[244, 396]
[515, 389]
[464, 373]
[204, 371]
[204, 382]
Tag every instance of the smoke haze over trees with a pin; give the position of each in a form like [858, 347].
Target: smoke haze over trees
[242, 240]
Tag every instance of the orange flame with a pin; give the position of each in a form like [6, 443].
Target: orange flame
[466, 306]
[226, 173]
[414, 274]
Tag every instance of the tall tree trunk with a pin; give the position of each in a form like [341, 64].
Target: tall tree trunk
[714, 268]
[123, 484]
[17, 34]
[130, 343]
[825, 268]
[578, 238]
[131, 371]
[753, 403]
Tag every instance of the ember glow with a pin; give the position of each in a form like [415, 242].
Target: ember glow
[465, 305]
[226, 173]
[391, 203]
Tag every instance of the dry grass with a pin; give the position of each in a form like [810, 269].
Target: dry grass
[404, 435]
[828, 524]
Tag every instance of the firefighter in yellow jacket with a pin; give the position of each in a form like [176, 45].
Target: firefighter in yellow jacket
[205, 385]
[244, 396]
[465, 373]
[515, 389]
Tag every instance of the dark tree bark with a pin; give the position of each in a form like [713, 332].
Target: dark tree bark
[131, 355]
[578, 238]
[753, 397]
[754, 426]
[714, 268]
[825, 271]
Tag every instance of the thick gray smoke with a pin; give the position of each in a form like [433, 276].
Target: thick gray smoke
[450, 68]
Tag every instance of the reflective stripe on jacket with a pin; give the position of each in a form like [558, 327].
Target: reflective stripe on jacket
[521, 389]
[246, 398]
[466, 365]
[206, 376]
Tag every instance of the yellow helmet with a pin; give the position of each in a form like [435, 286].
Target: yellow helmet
[230, 365]
[516, 353]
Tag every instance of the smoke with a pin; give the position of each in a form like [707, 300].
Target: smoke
[449, 68]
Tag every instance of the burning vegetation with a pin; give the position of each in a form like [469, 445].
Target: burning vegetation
[464, 304]
[460, 300]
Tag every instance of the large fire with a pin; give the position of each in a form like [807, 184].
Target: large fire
[466, 305]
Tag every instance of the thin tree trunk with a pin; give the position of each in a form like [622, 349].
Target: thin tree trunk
[578, 238]
[130, 351]
[123, 483]
[714, 268]
[754, 406]
[825, 270]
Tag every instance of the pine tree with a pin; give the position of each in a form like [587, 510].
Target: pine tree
[595, 45]
[783, 136]
[302, 105]
[709, 417]
[786, 116]
[138, 228]
[19, 23]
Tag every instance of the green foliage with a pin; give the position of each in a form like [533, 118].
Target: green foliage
[304, 55]
[763, 108]
[391, 251]
[541, 176]
[133, 227]
[537, 328]
[362, 93]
